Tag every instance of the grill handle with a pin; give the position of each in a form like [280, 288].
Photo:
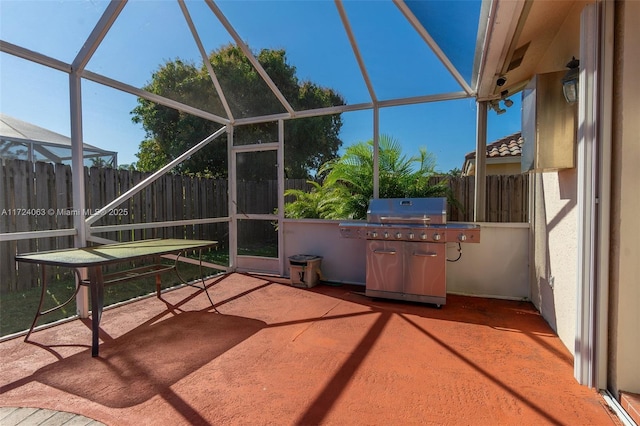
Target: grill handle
[429, 254]
[384, 251]
[404, 219]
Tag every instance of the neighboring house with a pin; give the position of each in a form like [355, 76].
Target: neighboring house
[25, 141]
[503, 157]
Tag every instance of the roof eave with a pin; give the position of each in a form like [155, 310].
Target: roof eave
[501, 21]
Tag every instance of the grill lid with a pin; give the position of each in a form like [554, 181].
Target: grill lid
[422, 211]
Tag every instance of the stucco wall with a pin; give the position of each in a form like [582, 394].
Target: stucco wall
[343, 258]
[554, 224]
[554, 216]
[504, 168]
[495, 267]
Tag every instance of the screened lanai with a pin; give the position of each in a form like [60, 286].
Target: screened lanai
[216, 108]
[22, 140]
[360, 69]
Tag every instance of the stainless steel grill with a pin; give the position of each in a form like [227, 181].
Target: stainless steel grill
[406, 250]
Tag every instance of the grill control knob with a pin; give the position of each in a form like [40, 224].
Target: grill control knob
[374, 234]
[436, 237]
[386, 234]
[398, 235]
[410, 235]
[423, 236]
[462, 237]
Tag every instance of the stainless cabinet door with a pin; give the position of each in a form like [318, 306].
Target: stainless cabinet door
[384, 266]
[424, 268]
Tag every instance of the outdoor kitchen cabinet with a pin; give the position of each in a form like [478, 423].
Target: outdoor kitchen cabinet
[402, 270]
[384, 267]
[548, 125]
[424, 271]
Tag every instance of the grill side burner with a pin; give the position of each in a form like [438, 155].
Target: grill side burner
[406, 250]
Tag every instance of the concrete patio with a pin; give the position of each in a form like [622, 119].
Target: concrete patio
[276, 354]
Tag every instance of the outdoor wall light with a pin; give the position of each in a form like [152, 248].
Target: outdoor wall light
[507, 102]
[495, 105]
[570, 81]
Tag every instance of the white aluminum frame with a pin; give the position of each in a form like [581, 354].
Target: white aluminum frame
[261, 147]
[247, 52]
[594, 177]
[420, 29]
[153, 177]
[480, 201]
[205, 59]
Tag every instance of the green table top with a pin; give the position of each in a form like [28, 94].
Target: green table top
[112, 253]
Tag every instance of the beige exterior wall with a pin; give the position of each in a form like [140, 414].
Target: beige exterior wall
[504, 168]
[624, 316]
[476, 273]
[554, 216]
[554, 252]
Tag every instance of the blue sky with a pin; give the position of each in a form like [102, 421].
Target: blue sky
[148, 33]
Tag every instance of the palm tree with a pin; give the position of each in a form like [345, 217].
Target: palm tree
[348, 186]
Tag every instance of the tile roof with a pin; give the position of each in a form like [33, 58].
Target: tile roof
[509, 146]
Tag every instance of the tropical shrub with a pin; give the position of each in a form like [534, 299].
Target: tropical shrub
[347, 187]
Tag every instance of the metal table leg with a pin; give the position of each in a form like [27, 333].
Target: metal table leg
[96, 283]
[202, 278]
[39, 311]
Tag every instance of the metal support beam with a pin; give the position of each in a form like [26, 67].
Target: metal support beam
[30, 235]
[247, 52]
[356, 50]
[232, 203]
[32, 56]
[376, 152]
[280, 154]
[205, 59]
[481, 160]
[148, 181]
[417, 25]
[161, 100]
[97, 35]
[77, 147]
[77, 176]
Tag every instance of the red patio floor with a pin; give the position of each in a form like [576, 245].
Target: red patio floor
[275, 354]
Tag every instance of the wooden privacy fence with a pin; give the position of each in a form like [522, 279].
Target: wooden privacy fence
[38, 196]
[507, 198]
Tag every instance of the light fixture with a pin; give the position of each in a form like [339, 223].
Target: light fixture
[570, 81]
[495, 105]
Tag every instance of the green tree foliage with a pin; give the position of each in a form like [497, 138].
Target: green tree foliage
[307, 204]
[151, 157]
[348, 185]
[308, 142]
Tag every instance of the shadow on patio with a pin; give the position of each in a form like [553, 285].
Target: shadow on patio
[276, 354]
